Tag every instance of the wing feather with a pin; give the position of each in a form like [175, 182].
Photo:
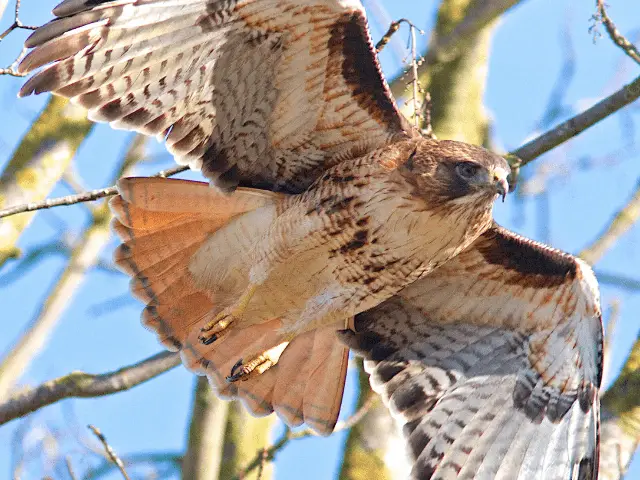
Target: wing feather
[492, 363]
[263, 93]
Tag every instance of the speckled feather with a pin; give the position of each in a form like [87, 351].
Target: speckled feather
[492, 363]
[261, 93]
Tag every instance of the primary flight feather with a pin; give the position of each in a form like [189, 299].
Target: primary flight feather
[329, 205]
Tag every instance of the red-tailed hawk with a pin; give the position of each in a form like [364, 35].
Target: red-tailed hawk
[338, 205]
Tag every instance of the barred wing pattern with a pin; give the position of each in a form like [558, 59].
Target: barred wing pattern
[492, 363]
[263, 93]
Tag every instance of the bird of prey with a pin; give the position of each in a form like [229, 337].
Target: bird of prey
[332, 223]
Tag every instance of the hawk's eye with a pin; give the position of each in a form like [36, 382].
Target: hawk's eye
[467, 170]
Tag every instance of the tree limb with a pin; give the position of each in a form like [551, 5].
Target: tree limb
[579, 123]
[244, 436]
[619, 225]
[85, 385]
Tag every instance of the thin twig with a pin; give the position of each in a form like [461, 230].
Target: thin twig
[17, 24]
[85, 385]
[427, 105]
[357, 416]
[263, 462]
[155, 458]
[393, 28]
[601, 17]
[72, 474]
[414, 68]
[79, 198]
[111, 454]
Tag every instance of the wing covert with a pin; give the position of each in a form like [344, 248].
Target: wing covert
[492, 363]
[261, 93]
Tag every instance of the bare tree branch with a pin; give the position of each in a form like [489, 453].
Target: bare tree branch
[619, 225]
[111, 454]
[81, 197]
[619, 39]
[579, 123]
[85, 385]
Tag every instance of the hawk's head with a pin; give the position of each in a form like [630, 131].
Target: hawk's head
[445, 171]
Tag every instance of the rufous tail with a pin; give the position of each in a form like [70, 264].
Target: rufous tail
[162, 223]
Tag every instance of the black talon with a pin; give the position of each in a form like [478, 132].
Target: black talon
[233, 376]
[210, 340]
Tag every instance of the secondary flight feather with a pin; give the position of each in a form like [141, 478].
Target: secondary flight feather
[327, 205]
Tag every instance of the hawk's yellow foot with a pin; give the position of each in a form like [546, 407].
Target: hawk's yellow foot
[218, 327]
[258, 364]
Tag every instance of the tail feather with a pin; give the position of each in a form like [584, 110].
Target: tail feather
[163, 224]
[293, 370]
[173, 322]
[129, 215]
[325, 383]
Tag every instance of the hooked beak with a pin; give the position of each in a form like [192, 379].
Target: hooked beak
[500, 183]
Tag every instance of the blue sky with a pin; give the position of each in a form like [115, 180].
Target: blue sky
[592, 176]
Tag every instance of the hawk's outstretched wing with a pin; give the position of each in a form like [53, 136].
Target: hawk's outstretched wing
[492, 363]
[263, 93]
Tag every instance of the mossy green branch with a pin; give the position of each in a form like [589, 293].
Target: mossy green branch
[245, 437]
[621, 419]
[623, 398]
[205, 443]
[38, 164]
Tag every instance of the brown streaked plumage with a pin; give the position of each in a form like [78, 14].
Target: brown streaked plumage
[492, 363]
[339, 208]
[303, 263]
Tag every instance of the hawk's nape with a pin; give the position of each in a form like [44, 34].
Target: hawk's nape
[492, 363]
[259, 93]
